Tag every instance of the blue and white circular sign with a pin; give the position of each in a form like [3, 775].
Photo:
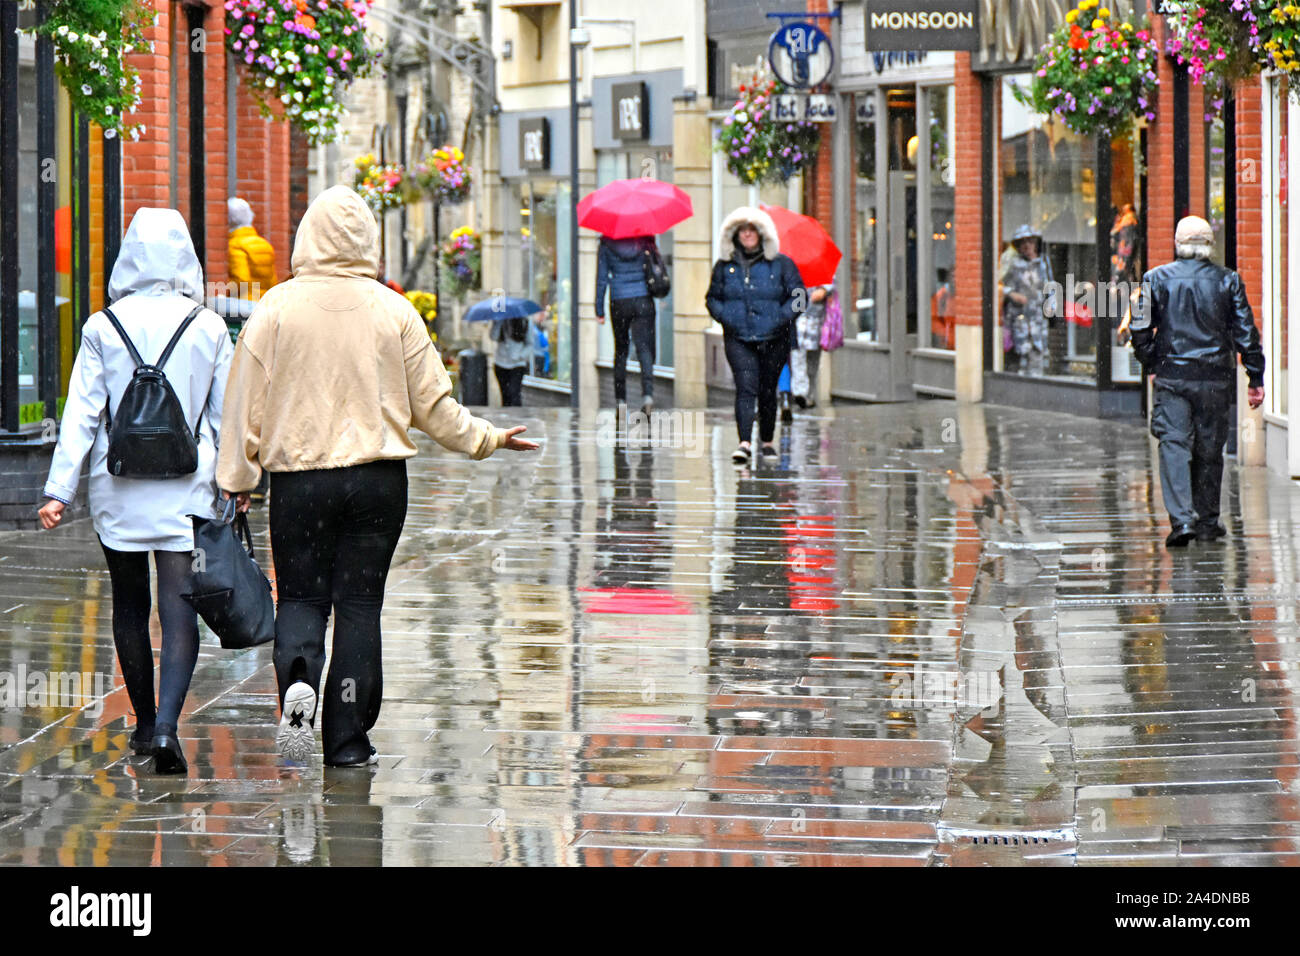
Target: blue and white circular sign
[800, 54]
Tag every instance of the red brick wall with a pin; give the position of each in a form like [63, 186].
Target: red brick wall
[145, 163]
[1249, 173]
[214, 140]
[1160, 167]
[265, 156]
[968, 290]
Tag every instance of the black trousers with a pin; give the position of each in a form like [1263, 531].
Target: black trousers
[633, 319]
[511, 383]
[333, 534]
[1191, 420]
[129, 574]
[756, 368]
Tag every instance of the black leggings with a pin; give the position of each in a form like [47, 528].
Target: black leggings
[756, 368]
[333, 534]
[634, 319]
[129, 572]
[511, 383]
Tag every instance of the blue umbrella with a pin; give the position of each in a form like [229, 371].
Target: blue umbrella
[497, 309]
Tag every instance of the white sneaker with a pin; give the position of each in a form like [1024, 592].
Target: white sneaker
[294, 739]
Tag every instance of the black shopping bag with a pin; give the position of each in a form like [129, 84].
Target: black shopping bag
[230, 591]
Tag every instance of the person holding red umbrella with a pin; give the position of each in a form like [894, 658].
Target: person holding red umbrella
[755, 294]
[629, 213]
[620, 268]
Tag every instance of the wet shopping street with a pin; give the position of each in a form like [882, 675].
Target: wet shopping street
[927, 634]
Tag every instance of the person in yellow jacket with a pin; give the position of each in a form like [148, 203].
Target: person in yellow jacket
[252, 258]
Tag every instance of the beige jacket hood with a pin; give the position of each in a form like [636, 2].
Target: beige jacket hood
[332, 369]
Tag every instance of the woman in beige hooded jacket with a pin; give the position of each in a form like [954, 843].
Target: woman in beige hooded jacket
[329, 373]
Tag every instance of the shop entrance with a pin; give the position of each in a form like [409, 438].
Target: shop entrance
[904, 256]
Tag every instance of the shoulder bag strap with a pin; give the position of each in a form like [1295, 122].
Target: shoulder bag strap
[176, 337]
[130, 346]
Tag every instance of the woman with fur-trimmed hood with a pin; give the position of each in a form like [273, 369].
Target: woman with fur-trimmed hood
[754, 295]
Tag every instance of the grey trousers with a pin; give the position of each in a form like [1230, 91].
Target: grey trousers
[1190, 419]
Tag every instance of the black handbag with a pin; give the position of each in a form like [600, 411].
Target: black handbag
[150, 438]
[658, 282]
[230, 591]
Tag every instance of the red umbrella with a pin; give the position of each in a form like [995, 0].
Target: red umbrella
[805, 241]
[634, 207]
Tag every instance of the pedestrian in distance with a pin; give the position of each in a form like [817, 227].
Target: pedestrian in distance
[155, 286]
[511, 358]
[251, 258]
[1025, 277]
[620, 268]
[806, 351]
[1191, 322]
[328, 375]
[755, 294]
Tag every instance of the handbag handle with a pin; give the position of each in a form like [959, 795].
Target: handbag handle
[239, 523]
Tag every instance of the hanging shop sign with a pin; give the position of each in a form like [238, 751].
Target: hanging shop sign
[631, 106]
[923, 25]
[807, 108]
[801, 55]
[535, 143]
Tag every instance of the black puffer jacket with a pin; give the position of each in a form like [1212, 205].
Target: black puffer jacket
[1193, 321]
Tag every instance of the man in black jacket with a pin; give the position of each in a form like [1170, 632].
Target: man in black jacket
[1192, 322]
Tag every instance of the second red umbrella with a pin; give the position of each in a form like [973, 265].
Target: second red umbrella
[805, 241]
[634, 207]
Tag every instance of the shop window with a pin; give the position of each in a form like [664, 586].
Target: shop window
[939, 284]
[860, 321]
[1275, 296]
[537, 262]
[1048, 191]
[655, 164]
[1216, 181]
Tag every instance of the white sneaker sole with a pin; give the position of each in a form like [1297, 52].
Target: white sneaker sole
[294, 738]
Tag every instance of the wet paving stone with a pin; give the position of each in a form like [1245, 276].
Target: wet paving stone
[926, 634]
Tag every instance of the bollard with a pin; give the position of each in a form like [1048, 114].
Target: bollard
[473, 377]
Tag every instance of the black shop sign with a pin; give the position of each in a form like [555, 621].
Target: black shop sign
[933, 25]
[535, 143]
[631, 108]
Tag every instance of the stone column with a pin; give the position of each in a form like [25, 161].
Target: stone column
[692, 249]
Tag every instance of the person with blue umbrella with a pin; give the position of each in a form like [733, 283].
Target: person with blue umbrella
[510, 320]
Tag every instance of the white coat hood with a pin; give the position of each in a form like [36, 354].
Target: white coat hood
[761, 221]
[157, 258]
[338, 236]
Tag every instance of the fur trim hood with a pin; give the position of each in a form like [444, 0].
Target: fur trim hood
[766, 231]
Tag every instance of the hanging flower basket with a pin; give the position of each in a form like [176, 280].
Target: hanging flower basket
[759, 148]
[1279, 46]
[91, 41]
[1218, 41]
[383, 187]
[303, 53]
[1096, 73]
[444, 176]
[462, 260]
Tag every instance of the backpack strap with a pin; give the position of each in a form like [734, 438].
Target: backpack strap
[130, 346]
[167, 352]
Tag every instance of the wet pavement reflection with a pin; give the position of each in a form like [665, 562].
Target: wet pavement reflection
[926, 634]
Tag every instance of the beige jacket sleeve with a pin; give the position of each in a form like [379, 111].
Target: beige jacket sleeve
[433, 410]
[238, 467]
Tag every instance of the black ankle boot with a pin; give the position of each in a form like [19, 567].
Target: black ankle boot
[168, 757]
[787, 413]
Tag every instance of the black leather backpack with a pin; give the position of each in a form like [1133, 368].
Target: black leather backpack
[150, 438]
[658, 282]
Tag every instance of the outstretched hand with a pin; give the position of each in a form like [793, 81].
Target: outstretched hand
[518, 444]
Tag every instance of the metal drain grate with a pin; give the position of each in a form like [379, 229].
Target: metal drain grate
[986, 837]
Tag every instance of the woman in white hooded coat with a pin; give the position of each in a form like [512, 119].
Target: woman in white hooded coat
[156, 282]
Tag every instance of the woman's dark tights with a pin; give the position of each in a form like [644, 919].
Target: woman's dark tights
[129, 572]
